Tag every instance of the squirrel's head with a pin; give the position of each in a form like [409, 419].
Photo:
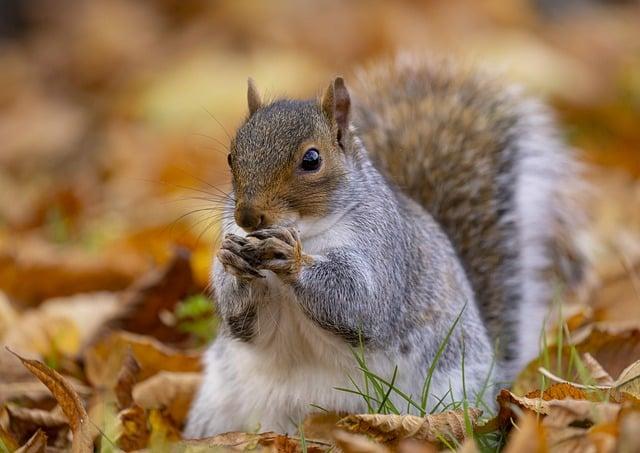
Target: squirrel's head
[289, 157]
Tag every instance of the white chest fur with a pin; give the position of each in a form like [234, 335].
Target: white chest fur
[290, 363]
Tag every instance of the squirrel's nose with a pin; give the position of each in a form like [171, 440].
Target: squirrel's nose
[249, 218]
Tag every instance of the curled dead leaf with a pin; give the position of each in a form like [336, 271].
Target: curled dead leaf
[152, 355]
[157, 291]
[126, 379]
[392, 428]
[614, 347]
[241, 441]
[598, 374]
[529, 437]
[134, 434]
[24, 422]
[357, 443]
[69, 401]
[173, 391]
[36, 444]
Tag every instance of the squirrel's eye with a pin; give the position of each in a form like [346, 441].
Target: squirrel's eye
[229, 159]
[310, 160]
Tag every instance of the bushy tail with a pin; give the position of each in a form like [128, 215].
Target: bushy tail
[487, 164]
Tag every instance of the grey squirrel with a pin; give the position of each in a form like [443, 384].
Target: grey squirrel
[376, 221]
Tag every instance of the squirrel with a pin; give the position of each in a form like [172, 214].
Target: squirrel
[418, 214]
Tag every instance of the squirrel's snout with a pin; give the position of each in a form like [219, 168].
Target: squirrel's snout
[250, 218]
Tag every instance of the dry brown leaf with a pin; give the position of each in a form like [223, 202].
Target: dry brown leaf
[126, 379]
[563, 413]
[629, 426]
[598, 374]
[69, 401]
[24, 422]
[629, 380]
[36, 391]
[241, 441]
[155, 292]
[510, 406]
[173, 391]
[61, 272]
[392, 428]
[358, 443]
[135, 433]
[612, 346]
[527, 437]
[60, 326]
[36, 444]
[151, 355]
[321, 425]
[421, 446]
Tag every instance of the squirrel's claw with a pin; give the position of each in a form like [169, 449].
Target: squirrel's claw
[287, 235]
[230, 256]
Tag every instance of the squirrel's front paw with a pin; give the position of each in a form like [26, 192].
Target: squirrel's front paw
[234, 260]
[279, 250]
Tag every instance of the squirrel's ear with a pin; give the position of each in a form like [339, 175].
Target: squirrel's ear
[336, 104]
[253, 97]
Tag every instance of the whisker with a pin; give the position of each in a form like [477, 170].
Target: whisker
[219, 123]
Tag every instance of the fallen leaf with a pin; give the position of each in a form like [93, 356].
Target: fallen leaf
[612, 346]
[170, 390]
[61, 271]
[629, 380]
[69, 401]
[241, 441]
[36, 444]
[392, 428]
[125, 380]
[151, 355]
[357, 443]
[321, 425]
[60, 326]
[135, 433]
[163, 429]
[156, 292]
[629, 426]
[527, 437]
[559, 391]
[24, 422]
[561, 413]
[7, 439]
[598, 374]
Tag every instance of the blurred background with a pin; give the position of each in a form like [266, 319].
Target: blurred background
[115, 116]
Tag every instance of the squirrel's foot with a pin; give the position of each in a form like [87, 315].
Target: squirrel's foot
[279, 250]
[234, 260]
